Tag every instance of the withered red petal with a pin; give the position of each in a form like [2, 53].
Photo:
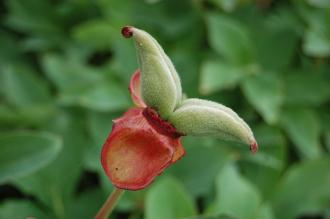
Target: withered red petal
[134, 153]
[135, 89]
[179, 150]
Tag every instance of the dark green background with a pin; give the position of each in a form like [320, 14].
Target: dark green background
[64, 73]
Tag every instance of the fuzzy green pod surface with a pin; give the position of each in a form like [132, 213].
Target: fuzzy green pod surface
[161, 90]
[206, 118]
[160, 83]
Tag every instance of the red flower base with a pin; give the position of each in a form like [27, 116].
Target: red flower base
[140, 146]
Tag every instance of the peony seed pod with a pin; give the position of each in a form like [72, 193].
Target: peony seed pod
[160, 83]
[206, 118]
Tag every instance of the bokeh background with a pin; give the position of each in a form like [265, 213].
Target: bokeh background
[64, 73]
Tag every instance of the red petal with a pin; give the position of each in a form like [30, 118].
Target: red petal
[179, 151]
[135, 89]
[135, 153]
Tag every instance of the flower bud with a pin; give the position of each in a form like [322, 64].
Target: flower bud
[207, 118]
[160, 83]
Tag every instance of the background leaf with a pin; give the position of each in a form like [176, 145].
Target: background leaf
[22, 87]
[20, 209]
[206, 157]
[168, 199]
[81, 85]
[296, 84]
[288, 196]
[316, 44]
[24, 153]
[229, 38]
[56, 184]
[275, 47]
[235, 196]
[265, 93]
[215, 217]
[216, 75]
[303, 127]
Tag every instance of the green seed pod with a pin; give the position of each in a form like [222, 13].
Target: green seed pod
[206, 118]
[160, 83]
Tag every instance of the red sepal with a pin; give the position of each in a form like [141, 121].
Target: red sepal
[135, 153]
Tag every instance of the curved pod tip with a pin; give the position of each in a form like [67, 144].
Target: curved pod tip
[254, 147]
[160, 83]
[127, 31]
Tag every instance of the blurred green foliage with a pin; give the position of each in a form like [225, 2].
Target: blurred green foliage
[64, 73]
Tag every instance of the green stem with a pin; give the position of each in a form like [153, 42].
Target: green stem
[109, 204]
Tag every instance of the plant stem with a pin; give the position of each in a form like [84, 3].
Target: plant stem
[109, 204]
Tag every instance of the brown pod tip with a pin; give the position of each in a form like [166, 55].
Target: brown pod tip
[127, 31]
[254, 147]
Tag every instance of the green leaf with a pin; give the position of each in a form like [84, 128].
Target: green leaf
[222, 216]
[23, 87]
[226, 5]
[67, 72]
[264, 92]
[34, 17]
[205, 157]
[302, 126]
[27, 98]
[275, 48]
[325, 120]
[316, 44]
[20, 209]
[96, 33]
[319, 3]
[306, 88]
[327, 140]
[265, 167]
[131, 201]
[38, 19]
[87, 204]
[24, 153]
[272, 140]
[303, 190]
[229, 38]
[168, 199]
[56, 184]
[217, 75]
[235, 196]
[84, 86]
[33, 115]
[124, 63]
[265, 212]
[9, 49]
[102, 97]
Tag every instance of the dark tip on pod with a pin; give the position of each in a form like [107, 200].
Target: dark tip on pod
[127, 31]
[254, 147]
